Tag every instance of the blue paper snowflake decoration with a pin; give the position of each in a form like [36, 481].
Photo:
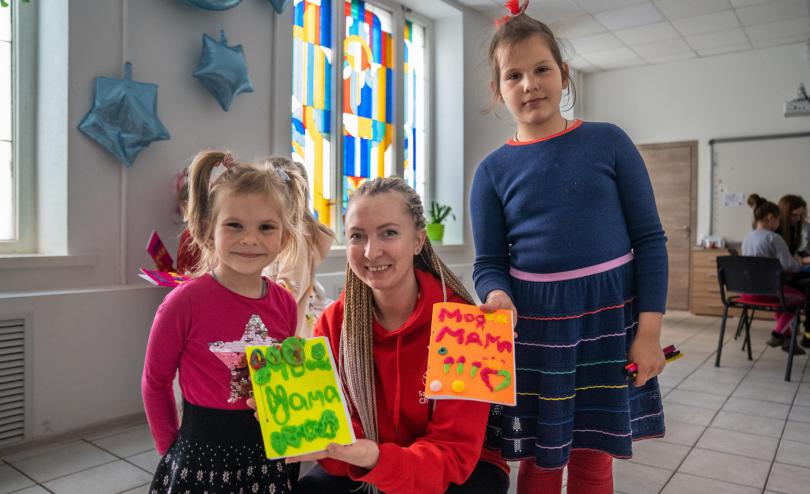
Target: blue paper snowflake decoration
[223, 70]
[280, 5]
[124, 118]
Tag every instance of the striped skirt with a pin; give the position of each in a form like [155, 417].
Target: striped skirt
[573, 335]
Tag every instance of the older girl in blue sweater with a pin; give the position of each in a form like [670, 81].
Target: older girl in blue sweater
[567, 235]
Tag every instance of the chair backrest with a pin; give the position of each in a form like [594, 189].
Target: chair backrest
[751, 275]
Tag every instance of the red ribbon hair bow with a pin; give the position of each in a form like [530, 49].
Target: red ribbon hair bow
[515, 8]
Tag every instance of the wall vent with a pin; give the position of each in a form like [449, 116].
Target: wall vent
[12, 381]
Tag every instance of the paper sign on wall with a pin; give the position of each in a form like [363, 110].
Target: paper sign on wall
[299, 397]
[472, 355]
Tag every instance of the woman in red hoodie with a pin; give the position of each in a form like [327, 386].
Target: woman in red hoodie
[380, 329]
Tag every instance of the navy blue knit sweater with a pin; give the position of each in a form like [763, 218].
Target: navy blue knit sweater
[576, 199]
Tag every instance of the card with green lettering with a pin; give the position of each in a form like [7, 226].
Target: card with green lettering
[299, 397]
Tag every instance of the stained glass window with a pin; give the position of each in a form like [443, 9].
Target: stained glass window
[312, 99]
[415, 136]
[362, 111]
[368, 77]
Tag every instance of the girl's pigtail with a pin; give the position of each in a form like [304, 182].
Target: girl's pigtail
[298, 191]
[294, 203]
[198, 212]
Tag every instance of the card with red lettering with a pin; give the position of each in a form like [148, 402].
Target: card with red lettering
[157, 251]
[472, 355]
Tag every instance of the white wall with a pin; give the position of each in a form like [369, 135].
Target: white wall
[730, 95]
[484, 132]
[88, 327]
[85, 352]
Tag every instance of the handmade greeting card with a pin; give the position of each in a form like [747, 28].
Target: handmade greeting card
[165, 274]
[163, 278]
[157, 251]
[299, 397]
[472, 355]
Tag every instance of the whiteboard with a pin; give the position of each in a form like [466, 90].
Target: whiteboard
[770, 167]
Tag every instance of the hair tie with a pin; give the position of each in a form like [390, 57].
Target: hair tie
[224, 165]
[515, 9]
[283, 175]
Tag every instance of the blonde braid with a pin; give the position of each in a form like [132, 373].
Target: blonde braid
[356, 356]
[429, 261]
[357, 352]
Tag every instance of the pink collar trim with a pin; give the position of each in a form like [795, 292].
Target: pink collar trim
[576, 124]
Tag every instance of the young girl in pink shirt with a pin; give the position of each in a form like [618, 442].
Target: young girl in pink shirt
[241, 217]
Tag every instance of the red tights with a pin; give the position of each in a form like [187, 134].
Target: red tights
[589, 472]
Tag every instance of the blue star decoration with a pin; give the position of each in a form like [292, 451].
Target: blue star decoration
[223, 70]
[124, 118]
[280, 5]
[213, 4]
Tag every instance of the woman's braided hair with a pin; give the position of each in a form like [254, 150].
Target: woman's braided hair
[356, 360]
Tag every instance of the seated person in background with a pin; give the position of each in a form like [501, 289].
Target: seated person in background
[795, 230]
[793, 224]
[764, 242]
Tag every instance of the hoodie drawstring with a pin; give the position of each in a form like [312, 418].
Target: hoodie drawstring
[398, 390]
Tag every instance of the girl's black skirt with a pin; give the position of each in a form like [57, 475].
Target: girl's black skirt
[220, 451]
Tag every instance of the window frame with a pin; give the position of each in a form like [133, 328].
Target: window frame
[399, 13]
[23, 128]
[427, 24]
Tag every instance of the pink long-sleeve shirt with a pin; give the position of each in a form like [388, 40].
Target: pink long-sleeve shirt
[199, 312]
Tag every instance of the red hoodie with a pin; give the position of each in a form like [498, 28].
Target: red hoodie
[424, 446]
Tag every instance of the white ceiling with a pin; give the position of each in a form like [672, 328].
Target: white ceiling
[609, 34]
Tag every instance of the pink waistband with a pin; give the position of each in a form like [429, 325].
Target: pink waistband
[574, 273]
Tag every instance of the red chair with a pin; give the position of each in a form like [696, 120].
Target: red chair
[761, 277]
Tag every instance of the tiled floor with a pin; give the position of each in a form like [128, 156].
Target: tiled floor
[736, 429]
[119, 461]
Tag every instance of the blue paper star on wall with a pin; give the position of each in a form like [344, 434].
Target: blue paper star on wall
[280, 5]
[223, 70]
[213, 4]
[124, 118]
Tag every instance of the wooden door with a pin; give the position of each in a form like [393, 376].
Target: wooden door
[673, 172]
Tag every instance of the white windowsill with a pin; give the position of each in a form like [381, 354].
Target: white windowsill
[37, 261]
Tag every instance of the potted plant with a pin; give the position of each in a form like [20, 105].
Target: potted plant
[436, 216]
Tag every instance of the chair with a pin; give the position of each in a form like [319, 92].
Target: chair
[743, 320]
[755, 276]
